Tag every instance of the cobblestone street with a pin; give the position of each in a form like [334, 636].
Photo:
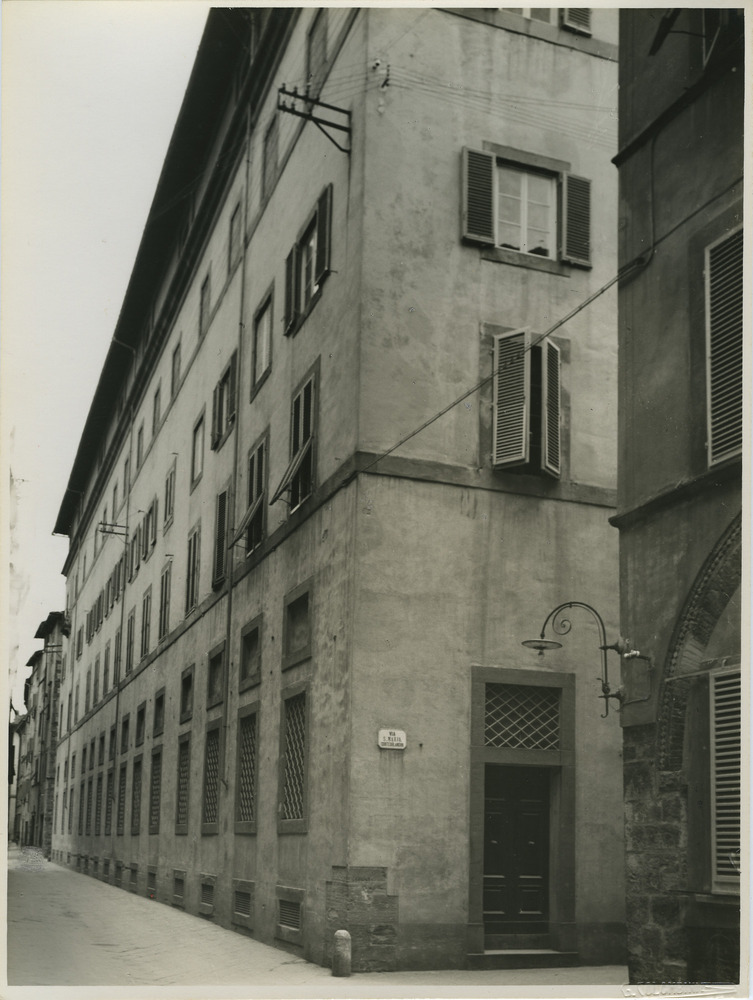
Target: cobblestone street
[66, 929]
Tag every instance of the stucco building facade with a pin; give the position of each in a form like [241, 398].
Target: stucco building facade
[296, 698]
[679, 512]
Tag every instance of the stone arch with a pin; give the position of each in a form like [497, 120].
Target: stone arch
[715, 584]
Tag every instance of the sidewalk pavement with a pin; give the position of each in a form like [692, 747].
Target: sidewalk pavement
[69, 930]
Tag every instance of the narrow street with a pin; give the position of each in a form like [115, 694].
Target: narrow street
[67, 929]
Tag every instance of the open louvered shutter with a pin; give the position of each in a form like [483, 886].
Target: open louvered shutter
[550, 408]
[219, 541]
[725, 704]
[478, 196]
[511, 394]
[231, 387]
[724, 345]
[323, 231]
[291, 289]
[577, 19]
[575, 228]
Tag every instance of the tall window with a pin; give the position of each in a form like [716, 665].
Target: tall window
[210, 804]
[130, 639]
[192, 571]
[526, 404]
[223, 403]
[316, 52]
[95, 695]
[156, 409]
[108, 803]
[98, 808]
[308, 263]
[234, 239]
[197, 450]
[120, 828]
[114, 500]
[245, 802]
[269, 159]
[170, 495]
[514, 205]
[175, 372]
[220, 538]
[146, 619]
[184, 775]
[262, 349]
[140, 445]
[155, 789]
[117, 646]
[136, 799]
[293, 790]
[726, 735]
[164, 601]
[204, 306]
[299, 475]
[724, 347]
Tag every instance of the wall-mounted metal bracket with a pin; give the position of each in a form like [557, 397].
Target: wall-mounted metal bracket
[310, 112]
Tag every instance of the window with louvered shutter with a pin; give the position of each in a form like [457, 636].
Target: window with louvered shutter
[577, 19]
[575, 224]
[478, 196]
[511, 391]
[220, 539]
[551, 408]
[724, 346]
[725, 705]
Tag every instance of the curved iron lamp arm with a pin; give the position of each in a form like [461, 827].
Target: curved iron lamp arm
[562, 625]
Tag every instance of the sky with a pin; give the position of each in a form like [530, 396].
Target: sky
[90, 94]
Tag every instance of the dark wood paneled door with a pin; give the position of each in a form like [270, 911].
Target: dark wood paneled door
[516, 850]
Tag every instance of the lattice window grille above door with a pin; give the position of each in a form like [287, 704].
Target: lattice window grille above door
[522, 717]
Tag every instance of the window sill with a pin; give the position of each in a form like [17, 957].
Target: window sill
[217, 446]
[167, 524]
[293, 659]
[244, 684]
[195, 482]
[214, 702]
[256, 387]
[292, 826]
[500, 255]
[245, 828]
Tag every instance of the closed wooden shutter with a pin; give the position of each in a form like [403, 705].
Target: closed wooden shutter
[725, 703]
[511, 393]
[577, 19]
[575, 227]
[724, 344]
[478, 196]
[291, 289]
[323, 231]
[550, 408]
[231, 388]
[219, 541]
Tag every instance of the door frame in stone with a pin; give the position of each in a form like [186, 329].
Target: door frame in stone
[562, 802]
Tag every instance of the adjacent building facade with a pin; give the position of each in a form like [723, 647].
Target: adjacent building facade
[679, 513]
[294, 697]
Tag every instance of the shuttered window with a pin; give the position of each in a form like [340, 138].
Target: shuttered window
[724, 346]
[526, 404]
[308, 263]
[224, 403]
[725, 705]
[518, 207]
[220, 539]
[577, 19]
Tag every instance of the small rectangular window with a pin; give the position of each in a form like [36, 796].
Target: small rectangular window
[122, 779]
[108, 803]
[124, 737]
[262, 347]
[216, 676]
[140, 724]
[159, 713]
[297, 627]
[186, 694]
[245, 801]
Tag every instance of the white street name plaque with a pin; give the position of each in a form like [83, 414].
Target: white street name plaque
[392, 739]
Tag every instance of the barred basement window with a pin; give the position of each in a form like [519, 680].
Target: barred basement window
[726, 706]
[724, 346]
[106, 868]
[245, 805]
[89, 807]
[290, 913]
[119, 874]
[577, 19]
[526, 404]
[155, 792]
[151, 882]
[294, 760]
[136, 798]
[206, 900]
[179, 887]
[242, 903]
[184, 774]
[526, 717]
[134, 877]
[210, 805]
[81, 802]
[120, 829]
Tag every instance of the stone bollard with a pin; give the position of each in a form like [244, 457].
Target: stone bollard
[341, 954]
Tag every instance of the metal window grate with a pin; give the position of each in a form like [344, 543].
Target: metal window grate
[207, 894]
[242, 904]
[184, 762]
[136, 800]
[247, 770]
[521, 716]
[290, 913]
[151, 881]
[179, 886]
[121, 800]
[211, 776]
[98, 808]
[155, 793]
[295, 742]
[108, 805]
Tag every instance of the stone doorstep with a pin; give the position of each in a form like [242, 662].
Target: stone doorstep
[522, 958]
